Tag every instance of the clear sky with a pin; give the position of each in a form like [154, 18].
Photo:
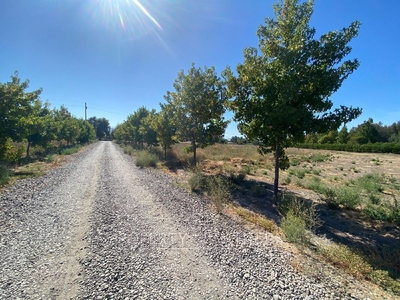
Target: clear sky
[118, 55]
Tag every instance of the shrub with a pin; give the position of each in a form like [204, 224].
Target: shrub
[198, 181]
[237, 178]
[347, 197]
[305, 210]
[294, 228]
[129, 150]
[69, 151]
[146, 159]
[218, 188]
[4, 174]
[50, 158]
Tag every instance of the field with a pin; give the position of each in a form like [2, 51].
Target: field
[355, 196]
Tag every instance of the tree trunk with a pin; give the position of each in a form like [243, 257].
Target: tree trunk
[165, 152]
[194, 153]
[276, 180]
[28, 148]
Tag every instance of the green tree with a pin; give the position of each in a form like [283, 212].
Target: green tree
[101, 127]
[365, 133]
[198, 103]
[163, 125]
[149, 135]
[16, 106]
[86, 132]
[282, 92]
[343, 136]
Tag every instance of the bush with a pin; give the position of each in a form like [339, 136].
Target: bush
[129, 150]
[237, 178]
[347, 197]
[305, 210]
[4, 175]
[294, 228]
[69, 151]
[146, 159]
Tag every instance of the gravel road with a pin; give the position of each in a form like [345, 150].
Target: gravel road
[100, 228]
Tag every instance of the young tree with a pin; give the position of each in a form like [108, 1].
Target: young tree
[16, 106]
[199, 104]
[282, 92]
[163, 125]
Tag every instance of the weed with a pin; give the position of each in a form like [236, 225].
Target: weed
[69, 151]
[305, 210]
[374, 199]
[4, 175]
[301, 173]
[347, 197]
[335, 178]
[246, 169]
[218, 188]
[294, 228]
[316, 172]
[265, 172]
[287, 180]
[50, 158]
[257, 190]
[146, 159]
[371, 183]
[317, 157]
[353, 162]
[129, 150]
[237, 178]
[295, 161]
[341, 168]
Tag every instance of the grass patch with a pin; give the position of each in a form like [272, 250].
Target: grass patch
[345, 197]
[258, 219]
[146, 159]
[69, 151]
[357, 266]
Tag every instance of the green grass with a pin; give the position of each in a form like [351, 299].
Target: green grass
[69, 151]
[294, 228]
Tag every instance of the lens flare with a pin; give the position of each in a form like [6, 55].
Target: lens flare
[132, 16]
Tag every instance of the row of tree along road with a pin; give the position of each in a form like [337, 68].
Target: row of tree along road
[25, 118]
[280, 93]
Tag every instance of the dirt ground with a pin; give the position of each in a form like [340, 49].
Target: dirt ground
[350, 227]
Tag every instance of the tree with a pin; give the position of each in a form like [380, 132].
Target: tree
[198, 104]
[365, 133]
[101, 127]
[163, 125]
[283, 92]
[343, 136]
[16, 105]
[86, 132]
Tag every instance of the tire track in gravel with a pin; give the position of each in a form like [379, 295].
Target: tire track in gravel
[137, 250]
[43, 238]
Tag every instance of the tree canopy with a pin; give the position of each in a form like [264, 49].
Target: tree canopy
[198, 104]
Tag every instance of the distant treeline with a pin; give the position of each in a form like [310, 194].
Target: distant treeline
[367, 137]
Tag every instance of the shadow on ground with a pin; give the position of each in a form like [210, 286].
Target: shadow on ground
[379, 242]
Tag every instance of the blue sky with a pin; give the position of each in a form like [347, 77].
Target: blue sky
[118, 55]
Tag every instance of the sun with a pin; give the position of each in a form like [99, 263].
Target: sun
[135, 17]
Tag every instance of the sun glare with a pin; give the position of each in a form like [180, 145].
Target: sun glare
[136, 17]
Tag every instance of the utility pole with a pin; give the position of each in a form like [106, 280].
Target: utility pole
[85, 112]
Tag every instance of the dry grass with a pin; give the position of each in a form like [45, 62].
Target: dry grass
[257, 219]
